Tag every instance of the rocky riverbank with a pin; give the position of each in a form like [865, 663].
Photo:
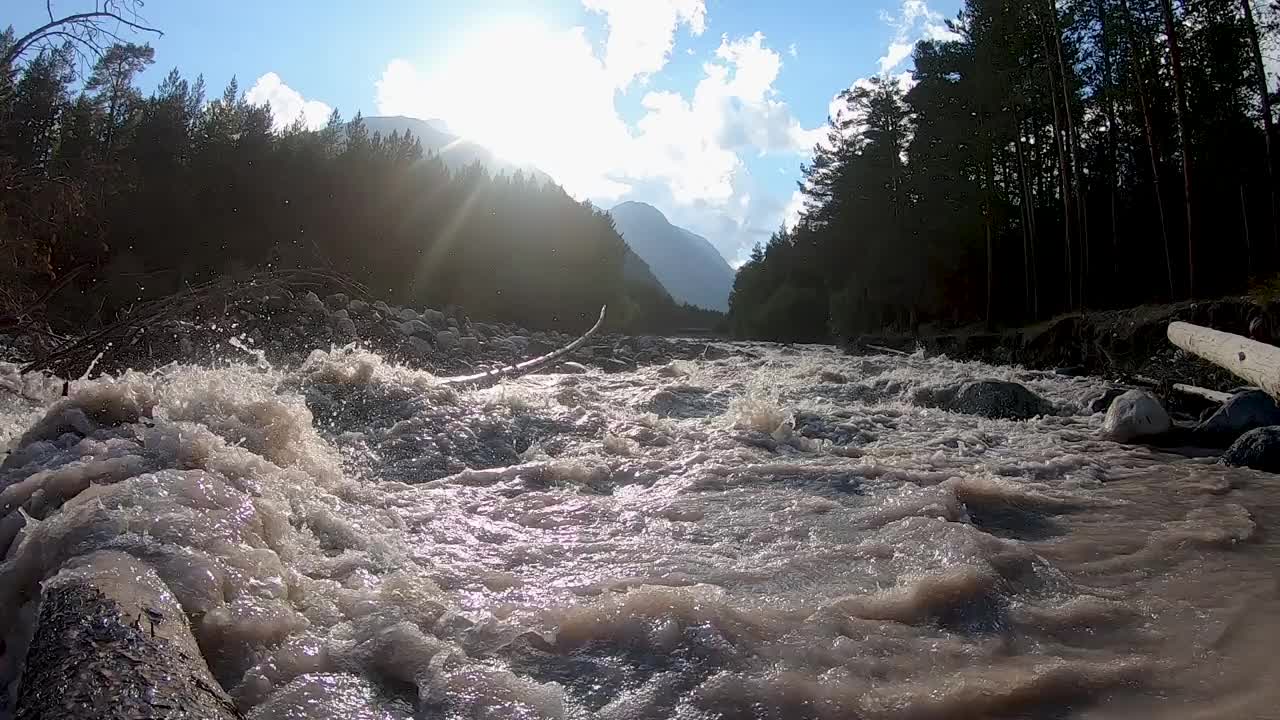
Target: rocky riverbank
[1117, 344]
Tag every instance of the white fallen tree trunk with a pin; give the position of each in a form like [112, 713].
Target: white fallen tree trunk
[1256, 362]
[111, 643]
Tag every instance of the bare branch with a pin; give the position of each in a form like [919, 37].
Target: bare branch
[90, 23]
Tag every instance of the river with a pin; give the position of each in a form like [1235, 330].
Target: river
[779, 533]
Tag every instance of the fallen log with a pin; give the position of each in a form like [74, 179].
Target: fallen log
[511, 372]
[1256, 362]
[112, 642]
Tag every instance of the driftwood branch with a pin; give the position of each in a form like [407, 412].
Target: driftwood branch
[1207, 394]
[1256, 362]
[491, 377]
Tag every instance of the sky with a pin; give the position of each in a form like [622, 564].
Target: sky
[704, 108]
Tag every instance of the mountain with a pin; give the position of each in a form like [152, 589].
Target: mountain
[686, 264]
[456, 151]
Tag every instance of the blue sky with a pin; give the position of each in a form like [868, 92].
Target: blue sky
[704, 108]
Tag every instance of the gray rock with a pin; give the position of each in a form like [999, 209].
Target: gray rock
[1258, 449]
[435, 317]
[383, 308]
[998, 399]
[339, 315]
[520, 341]
[469, 344]
[446, 340]
[833, 377]
[1135, 415]
[358, 307]
[408, 314]
[415, 327]
[1243, 412]
[1103, 401]
[419, 346]
[344, 329]
[336, 300]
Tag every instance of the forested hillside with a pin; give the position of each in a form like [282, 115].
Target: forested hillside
[144, 193]
[1059, 155]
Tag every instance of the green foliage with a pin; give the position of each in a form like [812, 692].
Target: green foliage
[157, 193]
[1033, 168]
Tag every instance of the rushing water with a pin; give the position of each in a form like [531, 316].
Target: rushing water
[779, 534]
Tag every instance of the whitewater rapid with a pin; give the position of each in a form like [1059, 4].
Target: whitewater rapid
[779, 533]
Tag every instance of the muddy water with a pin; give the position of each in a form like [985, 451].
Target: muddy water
[779, 534]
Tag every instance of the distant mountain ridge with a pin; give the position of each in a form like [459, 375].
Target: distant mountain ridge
[456, 151]
[686, 264]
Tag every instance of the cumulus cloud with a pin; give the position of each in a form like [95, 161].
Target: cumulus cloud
[287, 104]
[550, 99]
[915, 21]
[642, 34]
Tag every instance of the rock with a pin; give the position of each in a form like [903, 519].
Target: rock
[1103, 401]
[998, 399]
[446, 340]
[572, 368]
[407, 314]
[1243, 412]
[585, 353]
[383, 307]
[336, 300]
[830, 376]
[1258, 449]
[345, 329]
[435, 317]
[419, 346]
[540, 346]
[339, 314]
[415, 327]
[520, 341]
[715, 352]
[469, 344]
[358, 307]
[1135, 415]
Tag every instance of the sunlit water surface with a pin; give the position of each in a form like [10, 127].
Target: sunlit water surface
[785, 533]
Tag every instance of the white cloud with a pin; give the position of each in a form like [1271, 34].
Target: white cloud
[642, 33]
[550, 100]
[792, 50]
[914, 22]
[795, 206]
[287, 104]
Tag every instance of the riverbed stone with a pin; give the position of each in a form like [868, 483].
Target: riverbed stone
[1258, 449]
[469, 344]
[344, 329]
[998, 399]
[336, 300]
[1134, 416]
[446, 339]
[1245, 411]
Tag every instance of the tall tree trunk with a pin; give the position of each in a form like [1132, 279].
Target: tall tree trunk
[1184, 140]
[1064, 183]
[1079, 196]
[1028, 227]
[1137, 78]
[1251, 29]
[1113, 143]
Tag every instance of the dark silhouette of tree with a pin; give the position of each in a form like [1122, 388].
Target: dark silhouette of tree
[1043, 147]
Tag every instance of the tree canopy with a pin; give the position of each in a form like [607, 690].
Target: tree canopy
[1053, 156]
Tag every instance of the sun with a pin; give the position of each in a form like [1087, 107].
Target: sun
[504, 75]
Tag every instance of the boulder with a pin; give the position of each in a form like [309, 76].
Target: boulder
[336, 300]
[1243, 412]
[311, 302]
[520, 341]
[338, 314]
[833, 377]
[1135, 415]
[446, 340]
[344, 329]
[998, 399]
[469, 344]
[408, 314]
[1258, 449]
[383, 308]
[435, 317]
[420, 347]
[358, 307]
[414, 328]
[1103, 401]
